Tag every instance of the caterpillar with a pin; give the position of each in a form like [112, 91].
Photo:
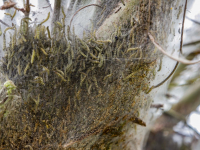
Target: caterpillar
[23, 38]
[82, 78]
[101, 61]
[95, 81]
[38, 80]
[61, 76]
[43, 51]
[37, 34]
[89, 89]
[46, 69]
[14, 39]
[130, 75]
[33, 56]
[132, 49]
[8, 14]
[68, 33]
[26, 68]
[86, 46]
[63, 12]
[60, 25]
[119, 48]
[9, 28]
[72, 53]
[67, 50]
[4, 41]
[94, 61]
[9, 62]
[60, 71]
[93, 56]
[107, 76]
[45, 19]
[82, 53]
[19, 69]
[106, 41]
[49, 35]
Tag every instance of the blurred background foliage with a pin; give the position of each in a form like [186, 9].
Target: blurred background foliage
[178, 127]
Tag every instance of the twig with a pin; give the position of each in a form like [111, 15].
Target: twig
[175, 115]
[48, 4]
[192, 129]
[156, 105]
[193, 20]
[4, 23]
[8, 5]
[181, 134]
[155, 86]
[171, 96]
[182, 30]
[184, 61]
[192, 43]
[80, 10]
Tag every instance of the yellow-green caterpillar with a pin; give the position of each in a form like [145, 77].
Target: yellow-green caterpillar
[45, 19]
[43, 51]
[26, 68]
[49, 35]
[33, 56]
[13, 14]
[132, 49]
[8, 14]
[8, 29]
[61, 76]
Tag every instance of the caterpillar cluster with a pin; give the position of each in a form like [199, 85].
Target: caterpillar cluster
[72, 84]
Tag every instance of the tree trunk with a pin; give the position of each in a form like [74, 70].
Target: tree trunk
[103, 101]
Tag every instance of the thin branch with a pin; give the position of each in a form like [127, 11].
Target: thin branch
[176, 115]
[4, 23]
[80, 10]
[7, 5]
[193, 20]
[171, 96]
[192, 129]
[155, 86]
[48, 4]
[192, 43]
[184, 61]
[181, 134]
[156, 106]
[182, 30]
